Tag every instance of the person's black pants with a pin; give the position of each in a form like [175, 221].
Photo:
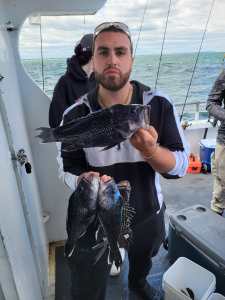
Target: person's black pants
[147, 239]
[88, 278]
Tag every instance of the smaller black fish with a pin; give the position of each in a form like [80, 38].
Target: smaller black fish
[110, 215]
[104, 128]
[81, 211]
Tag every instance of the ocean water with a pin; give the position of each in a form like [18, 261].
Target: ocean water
[174, 77]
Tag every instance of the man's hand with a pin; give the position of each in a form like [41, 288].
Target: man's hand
[105, 178]
[87, 175]
[161, 159]
[145, 140]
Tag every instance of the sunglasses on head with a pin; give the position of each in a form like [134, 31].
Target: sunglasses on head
[106, 25]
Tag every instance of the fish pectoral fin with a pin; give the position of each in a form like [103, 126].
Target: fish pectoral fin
[69, 249]
[125, 134]
[109, 147]
[115, 256]
[102, 246]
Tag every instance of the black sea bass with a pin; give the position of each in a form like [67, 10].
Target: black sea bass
[110, 205]
[81, 211]
[104, 128]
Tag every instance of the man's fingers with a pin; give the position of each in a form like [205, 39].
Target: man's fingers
[105, 178]
[91, 174]
[87, 175]
[152, 131]
[144, 135]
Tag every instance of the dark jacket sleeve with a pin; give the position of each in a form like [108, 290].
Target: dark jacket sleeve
[59, 103]
[74, 162]
[216, 97]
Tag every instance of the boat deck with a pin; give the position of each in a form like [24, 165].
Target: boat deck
[178, 194]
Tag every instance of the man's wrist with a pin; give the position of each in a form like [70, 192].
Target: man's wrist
[149, 156]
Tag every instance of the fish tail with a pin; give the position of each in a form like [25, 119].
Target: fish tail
[46, 134]
[116, 257]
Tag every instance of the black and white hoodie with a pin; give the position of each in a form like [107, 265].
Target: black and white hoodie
[125, 162]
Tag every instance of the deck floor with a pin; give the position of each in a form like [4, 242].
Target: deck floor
[178, 194]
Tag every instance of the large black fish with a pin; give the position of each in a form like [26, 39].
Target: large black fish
[81, 211]
[110, 205]
[104, 128]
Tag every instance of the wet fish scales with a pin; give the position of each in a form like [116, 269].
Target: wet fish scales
[80, 127]
[81, 211]
[109, 213]
[104, 128]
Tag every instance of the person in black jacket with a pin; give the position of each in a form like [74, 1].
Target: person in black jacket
[77, 80]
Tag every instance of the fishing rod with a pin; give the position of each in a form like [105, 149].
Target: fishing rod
[140, 28]
[163, 42]
[42, 57]
[198, 54]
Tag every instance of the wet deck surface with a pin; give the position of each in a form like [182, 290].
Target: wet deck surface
[178, 194]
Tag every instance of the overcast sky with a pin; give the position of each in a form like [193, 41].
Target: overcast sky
[187, 21]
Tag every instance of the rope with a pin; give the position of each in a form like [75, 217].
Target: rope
[84, 23]
[164, 37]
[196, 61]
[42, 59]
[140, 29]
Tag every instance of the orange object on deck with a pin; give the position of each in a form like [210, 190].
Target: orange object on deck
[195, 164]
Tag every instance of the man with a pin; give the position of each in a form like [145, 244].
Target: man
[158, 149]
[76, 82]
[215, 107]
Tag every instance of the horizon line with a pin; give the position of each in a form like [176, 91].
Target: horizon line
[153, 54]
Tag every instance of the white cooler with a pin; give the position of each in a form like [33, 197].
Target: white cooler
[184, 274]
[216, 296]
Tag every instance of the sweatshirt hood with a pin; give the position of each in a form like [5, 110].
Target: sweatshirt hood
[74, 69]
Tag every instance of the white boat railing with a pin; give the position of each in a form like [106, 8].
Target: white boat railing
[194, 107]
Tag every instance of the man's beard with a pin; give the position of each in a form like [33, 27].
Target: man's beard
[112, 83]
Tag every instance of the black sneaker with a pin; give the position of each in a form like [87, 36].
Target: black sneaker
[147, 292]
[220, 213]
